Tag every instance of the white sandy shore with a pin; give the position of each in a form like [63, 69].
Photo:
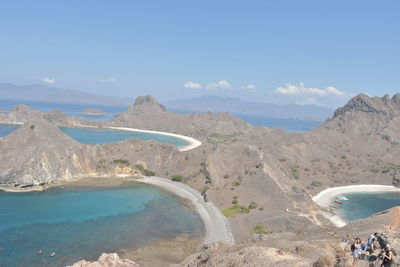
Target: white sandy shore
[193, 143]
[326, 197]
[216, 225]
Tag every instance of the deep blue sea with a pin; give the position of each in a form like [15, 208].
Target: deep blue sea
[363, 205]
[289, 125]
[81, 223]
[101, 136]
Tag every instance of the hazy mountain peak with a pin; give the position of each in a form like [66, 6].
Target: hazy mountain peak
[147, 99]
[42, 93]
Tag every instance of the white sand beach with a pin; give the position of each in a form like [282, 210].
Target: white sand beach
[326, 197]
[193, 143]
[216, 224]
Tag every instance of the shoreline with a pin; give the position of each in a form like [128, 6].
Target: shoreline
[215, 223]
[326, 197]
[193, 143]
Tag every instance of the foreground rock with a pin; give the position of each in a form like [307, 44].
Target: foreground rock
[254, 256]
[107, 260]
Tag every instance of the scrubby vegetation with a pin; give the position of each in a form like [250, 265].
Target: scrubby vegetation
[253, 205]
[260, 229]
[390, 167]
[121, 162]
[177, 178]
[144, 171]
[235, 209]
[316, 183]
[295, 173]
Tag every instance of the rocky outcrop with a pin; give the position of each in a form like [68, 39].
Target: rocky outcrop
[253, 256]
[147, 113]
[378, 105]
[106, 260]
[20, 114]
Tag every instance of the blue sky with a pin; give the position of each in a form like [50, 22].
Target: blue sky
[279, 51]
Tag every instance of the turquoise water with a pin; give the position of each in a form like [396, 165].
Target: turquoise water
[101, 136]
[363, 205]
[6, 129]
[81, 223]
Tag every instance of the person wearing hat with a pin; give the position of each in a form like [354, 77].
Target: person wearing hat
[387, 257]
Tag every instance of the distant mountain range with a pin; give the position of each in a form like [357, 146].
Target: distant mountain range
[40, 93]
[237, 106]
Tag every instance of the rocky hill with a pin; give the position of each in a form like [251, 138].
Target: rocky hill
[260, 177]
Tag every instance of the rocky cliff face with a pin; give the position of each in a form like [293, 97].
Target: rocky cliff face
[378, 105]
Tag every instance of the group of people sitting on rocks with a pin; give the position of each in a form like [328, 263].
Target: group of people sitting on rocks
[375, 242]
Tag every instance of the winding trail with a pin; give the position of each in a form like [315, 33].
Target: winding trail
[216, 224]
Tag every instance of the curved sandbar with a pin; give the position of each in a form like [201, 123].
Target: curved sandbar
[326, 197]
[216, 225]
[193, 143]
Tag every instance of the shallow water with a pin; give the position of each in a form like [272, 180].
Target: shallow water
[81, 223]
[6, 129]
[363, 205]
[101, 136]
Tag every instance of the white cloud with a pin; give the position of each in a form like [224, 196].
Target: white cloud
[193, 85]
[290, 89]
[48, 80]
[109, 80]
[223, 84]
[249, 88]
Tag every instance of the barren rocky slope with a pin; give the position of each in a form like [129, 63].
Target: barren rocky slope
[271, 171]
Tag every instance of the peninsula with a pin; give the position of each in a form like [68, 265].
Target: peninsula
[261, 179]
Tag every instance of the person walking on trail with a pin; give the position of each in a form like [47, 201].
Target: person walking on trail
[387, 257]
[356, 250]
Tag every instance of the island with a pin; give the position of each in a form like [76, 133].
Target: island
[93, 112]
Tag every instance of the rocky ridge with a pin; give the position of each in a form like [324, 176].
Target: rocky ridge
[237, 162]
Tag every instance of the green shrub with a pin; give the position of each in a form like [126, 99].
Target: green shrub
[204, 189]
[282, 159]
[295, 173]
[122, 162]
[32, 126]
[260, 229]
[316, 183]
[236, 183]
[343, 157]
[253, 205]
[177, 178]
[295, 189]
[144, 171]
[235, 209]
